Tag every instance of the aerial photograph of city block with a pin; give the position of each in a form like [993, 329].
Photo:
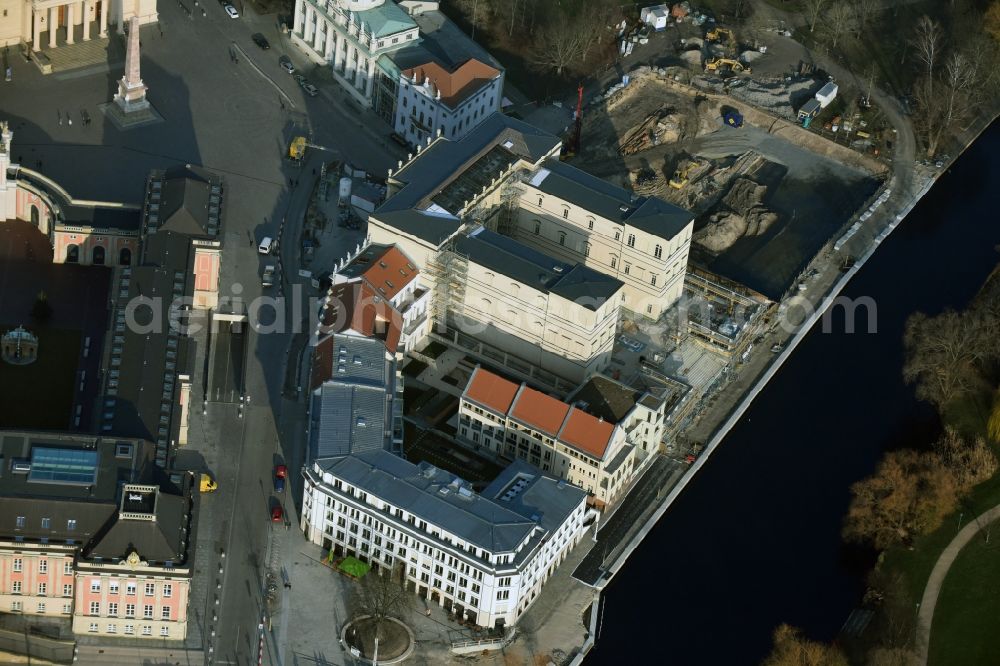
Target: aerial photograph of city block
[499, 332]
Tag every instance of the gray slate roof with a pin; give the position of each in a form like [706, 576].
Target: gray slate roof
[649, 214]
[445, 160]
[350, 412]
[417, 489]
[506, 256]
[543, 499]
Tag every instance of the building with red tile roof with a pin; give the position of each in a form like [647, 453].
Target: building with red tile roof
[516, 421]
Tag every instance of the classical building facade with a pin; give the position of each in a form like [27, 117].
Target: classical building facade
[514, 421]
[483, 556]
[47, 24]
[93, 535]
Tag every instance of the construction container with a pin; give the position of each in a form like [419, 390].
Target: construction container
[808, 111]
[826, 94]
[656, 16]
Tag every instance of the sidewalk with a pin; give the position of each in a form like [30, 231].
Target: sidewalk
[933, 589]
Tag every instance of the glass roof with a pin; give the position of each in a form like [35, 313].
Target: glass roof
[52, 465]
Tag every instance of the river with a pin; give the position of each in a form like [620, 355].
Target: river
[754, 540]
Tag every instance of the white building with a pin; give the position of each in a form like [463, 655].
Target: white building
[433, 99]
[598, 446]
[391, 275]
[484, 556]
[47, 24]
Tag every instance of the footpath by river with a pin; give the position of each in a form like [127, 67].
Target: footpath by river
[754, 539]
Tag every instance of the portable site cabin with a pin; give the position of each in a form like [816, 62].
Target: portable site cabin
[655, 17]
[826, 94]
[808, 111]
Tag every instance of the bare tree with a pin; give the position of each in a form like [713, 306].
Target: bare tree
[928, 42]
[791, 648]
[839, 19]
[941, 355]
[814, 9]
[970, 463]
[864, 13]
[558, 46]
[381, 596]
[993, 424]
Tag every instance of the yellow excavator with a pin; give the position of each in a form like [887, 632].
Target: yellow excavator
[680, 178]
[720, 34]
[297, 148]
[715, 64]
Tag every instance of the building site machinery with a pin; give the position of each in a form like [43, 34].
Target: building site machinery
[726, 64]
[571, 146]
[297, 149]
[683, 172]
[720, 34]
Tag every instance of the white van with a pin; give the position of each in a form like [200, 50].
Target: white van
[266, 244]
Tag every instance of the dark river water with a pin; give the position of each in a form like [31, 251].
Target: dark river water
[754, 540]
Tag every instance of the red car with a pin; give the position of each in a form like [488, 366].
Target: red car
[277, 515]
[280, 471]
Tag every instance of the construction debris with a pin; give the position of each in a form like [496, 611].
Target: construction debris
[780, 97]
[662, 126]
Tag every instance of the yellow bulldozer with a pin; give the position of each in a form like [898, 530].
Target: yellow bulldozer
[719, 35]
[716, 64]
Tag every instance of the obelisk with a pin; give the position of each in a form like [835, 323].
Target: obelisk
[131, 95]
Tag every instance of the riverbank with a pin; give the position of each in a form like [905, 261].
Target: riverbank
[734, 400]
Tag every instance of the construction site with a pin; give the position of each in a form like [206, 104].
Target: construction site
[768, 194]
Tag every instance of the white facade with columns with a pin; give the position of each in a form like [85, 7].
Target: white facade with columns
[350, 35]
[48, 24]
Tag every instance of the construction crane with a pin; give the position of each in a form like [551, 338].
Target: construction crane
[715, 64]
[297, 149]
[572, 143]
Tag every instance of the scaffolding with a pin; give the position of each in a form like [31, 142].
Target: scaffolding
[448, 271]
[722, 315]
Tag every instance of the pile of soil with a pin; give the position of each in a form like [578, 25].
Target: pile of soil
[742, 214]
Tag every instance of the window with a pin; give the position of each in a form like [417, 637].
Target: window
[68, 567]
[631, 240]
[538, 227]
[93, 627]
[41, 607]
[614, 262]
[627, 268]
[150, 589]
[43, 566]
[586, 249]
[15, 605]
[147, 611]
[95, 584]
[562, 237]
[147, 630]
[16, 587]
[649, 309]
[112, 628]
[652, 280]
[565, 213]
[67, 590]
[503, 595]
[129, 629]
[129, 610]
[113, 587]
[130, 589]
[68, 608]
[95, 607]
[164, 631]
[618, 234]
[167, 590]
[165, 613]
[113, 609]
[17, 564]
[20, 521]
[70, 525]
[42, 587]
[658, 252]
[590, 224]
[46, 523]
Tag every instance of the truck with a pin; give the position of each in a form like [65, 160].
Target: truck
[267, 279]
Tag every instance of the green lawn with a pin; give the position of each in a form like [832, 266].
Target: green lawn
[964, 631]
[40, 395]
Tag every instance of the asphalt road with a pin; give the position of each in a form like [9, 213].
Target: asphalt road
[230, 118]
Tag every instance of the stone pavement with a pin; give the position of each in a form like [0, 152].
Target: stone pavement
[925, 616]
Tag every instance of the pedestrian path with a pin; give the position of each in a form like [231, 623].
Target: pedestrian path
[933, 589]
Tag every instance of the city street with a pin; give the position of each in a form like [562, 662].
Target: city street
[234, 118]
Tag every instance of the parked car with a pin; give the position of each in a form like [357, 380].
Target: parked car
[261, 41]
[277, 514]
[299, 79]
[279, 484]
[287, 65]
[280, 471]
[267, 279]
[310, 89]
[231, 11]
[266, 245]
